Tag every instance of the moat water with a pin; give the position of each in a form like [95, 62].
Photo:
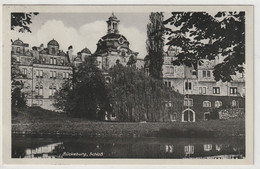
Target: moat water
[149, 147]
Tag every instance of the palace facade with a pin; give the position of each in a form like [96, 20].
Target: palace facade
[203, 95]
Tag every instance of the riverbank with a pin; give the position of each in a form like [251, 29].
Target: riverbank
[34, 121]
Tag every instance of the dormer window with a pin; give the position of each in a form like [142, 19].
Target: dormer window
[53, 51]
[18, 49]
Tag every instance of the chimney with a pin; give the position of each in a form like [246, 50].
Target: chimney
[70, 51]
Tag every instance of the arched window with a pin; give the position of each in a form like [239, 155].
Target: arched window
[206, 104]
[218, 104]
[234, 103]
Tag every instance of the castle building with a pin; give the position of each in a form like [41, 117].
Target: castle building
[44, 70]
[203, 96]
[113, 47]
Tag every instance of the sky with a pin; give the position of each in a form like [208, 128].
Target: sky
[84, 30]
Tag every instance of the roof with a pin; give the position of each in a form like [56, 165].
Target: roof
[85, 50]
[78, 58]
[112, 36]
[61, 53]
[18, 42]
[53, 43]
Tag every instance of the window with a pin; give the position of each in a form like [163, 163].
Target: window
[216, 90]
[40, 102]
[171, 70]
[53, 51]
[202, 90]
[43, 60]
[234, 103]
[206, 115]
[41, 73]
[206, 104]
[37, 90]
[218, 104]
[55, 61]
[52, 90]
[189, 149]
[18, 49]
[168, 83]
[173, 117]
[51, 61]
[187, 85]
[51, 74]
[194, 72]
[233, 90]
[63, 75]
[188, 102]
[24, 71]
[37, 73]
[206, 73]
[207, 147]
[41, 90]
[18, 59]
[147, 71]
[62, 61]
[168, 148]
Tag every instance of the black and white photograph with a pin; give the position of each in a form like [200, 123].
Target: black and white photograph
[157, 83]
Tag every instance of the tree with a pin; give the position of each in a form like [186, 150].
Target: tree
[136, 97]
[200, 35]
[155, 44]
[22, 20]
[85, 93]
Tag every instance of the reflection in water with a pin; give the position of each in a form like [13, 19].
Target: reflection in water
[47, 151]
[33, 147]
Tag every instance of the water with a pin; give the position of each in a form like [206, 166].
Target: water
[82, 147]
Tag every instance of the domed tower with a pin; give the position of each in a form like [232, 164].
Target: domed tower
[19, 47]
[112, 24]
[85, 53]
[113, 47]
[53, 47]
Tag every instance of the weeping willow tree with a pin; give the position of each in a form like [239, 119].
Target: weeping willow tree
[155, 44]
[136, 97]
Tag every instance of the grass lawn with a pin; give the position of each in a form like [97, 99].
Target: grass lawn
[42, 122]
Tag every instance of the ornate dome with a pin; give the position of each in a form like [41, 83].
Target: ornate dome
[85, 50]
[112, 40]
[18, 42]
[53, 43]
